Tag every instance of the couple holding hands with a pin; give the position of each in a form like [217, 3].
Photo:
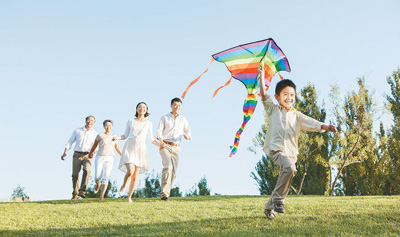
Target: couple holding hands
[134, 156]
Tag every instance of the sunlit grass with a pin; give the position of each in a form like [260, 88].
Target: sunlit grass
[211, 215]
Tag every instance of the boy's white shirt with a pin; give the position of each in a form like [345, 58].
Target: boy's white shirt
[284, 128]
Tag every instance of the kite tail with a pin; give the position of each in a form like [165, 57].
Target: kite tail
[248, 109]
[195, 80]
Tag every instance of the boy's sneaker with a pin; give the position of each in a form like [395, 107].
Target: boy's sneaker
[279, 207]
[269, 214]
[164, 198]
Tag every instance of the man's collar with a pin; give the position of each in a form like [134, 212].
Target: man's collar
[283, 108]
[90, 129]
[170, 114]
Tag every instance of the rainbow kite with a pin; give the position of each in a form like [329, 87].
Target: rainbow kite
[243, 62]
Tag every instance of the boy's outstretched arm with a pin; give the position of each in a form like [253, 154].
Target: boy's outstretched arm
[330, 128]
[263, 92]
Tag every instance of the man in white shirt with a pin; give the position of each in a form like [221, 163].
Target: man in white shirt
[170, 131]
[84, 138]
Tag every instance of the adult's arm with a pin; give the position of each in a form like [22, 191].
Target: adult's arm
[117, 149]
[71, 141]
[187, 130]
[159, 134]
[96, 142]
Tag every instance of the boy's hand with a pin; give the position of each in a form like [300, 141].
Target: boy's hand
[261, 71]
[263, 93]
[330, 128]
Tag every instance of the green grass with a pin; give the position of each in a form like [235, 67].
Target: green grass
[212, 215]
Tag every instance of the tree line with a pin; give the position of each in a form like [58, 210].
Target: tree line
[356, 160]
[152, 188]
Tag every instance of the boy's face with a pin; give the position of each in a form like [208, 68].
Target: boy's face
[286, 97]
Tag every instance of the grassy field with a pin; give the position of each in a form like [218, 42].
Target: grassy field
[211, 215]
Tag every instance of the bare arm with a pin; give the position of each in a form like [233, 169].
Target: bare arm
[117, 149]
[156, 143]
[263, 92]
[119, 138]
[93, 148]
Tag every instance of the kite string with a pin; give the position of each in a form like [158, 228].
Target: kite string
[195, 80]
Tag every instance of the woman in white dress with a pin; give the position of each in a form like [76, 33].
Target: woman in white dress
[134, 158]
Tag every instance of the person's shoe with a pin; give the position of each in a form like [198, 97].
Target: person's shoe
[96, 189]
[81, 194]
[279, 207]
[164, 198]
[269, 214]
[74, 197]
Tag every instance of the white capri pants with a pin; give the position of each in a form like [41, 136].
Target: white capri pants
[103, 167]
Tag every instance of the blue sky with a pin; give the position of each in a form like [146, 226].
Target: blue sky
[61, 61]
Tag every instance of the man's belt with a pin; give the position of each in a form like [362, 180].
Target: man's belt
[80, 152]
[171, 143]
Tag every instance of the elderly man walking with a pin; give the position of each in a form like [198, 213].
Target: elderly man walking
[83, 138]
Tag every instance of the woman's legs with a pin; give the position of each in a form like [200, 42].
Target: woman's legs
[130, 169]
[134, 179]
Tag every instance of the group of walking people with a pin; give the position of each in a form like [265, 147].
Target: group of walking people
[134, 157]
[285, 124]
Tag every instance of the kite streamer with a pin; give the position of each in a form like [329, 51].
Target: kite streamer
[249, 106]
[243, 62]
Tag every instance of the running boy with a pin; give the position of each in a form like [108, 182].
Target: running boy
[284, 127]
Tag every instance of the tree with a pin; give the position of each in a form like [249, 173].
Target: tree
[200, 189]
[392, 183]
[19, 193]
[175, 192]
[152, 186]
[384, 164]
[354, 142]
[267, 175]
[312, 160]
[111, 191]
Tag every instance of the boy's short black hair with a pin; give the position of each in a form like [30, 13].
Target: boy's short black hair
[176, 99]
[282, 84]
[107, 121]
